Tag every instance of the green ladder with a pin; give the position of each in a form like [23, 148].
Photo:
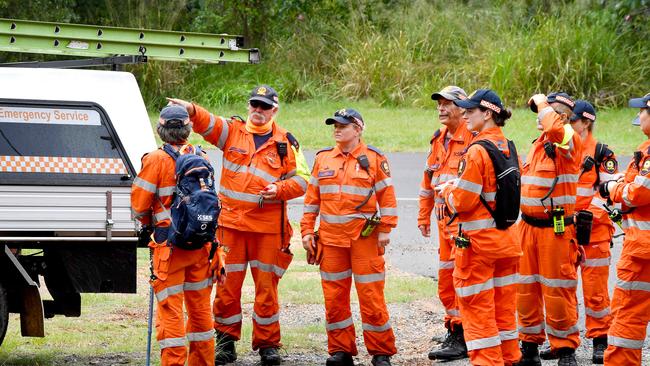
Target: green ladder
[97, 41]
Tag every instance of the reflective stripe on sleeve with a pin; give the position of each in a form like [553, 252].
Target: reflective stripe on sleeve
[166, 191]
[162, 215]
[335, 276]
[489, 196]
[300, 180]
[313, 181]
[225, 130]
[426, 193]
[229, 320]
[625, 196]
[369, 278]
[200, 336]
[171, 342]
[483, 343]
[452, 312]
[375, 328]
[383, 184]
[585, 192]
[642, 181]
[339, 325]
[311, 209]
[469, 186]
[446, 265]
[211, 124]
[266, 321]
[641, 225]
[388, 211]
[624, 342]
[147, 186]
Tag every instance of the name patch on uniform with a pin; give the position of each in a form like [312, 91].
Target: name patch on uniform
[385, 168]
[326, 173]
[645, 168]
[611, 165]
[461, 166]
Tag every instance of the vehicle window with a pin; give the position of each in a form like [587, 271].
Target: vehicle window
[59, 143]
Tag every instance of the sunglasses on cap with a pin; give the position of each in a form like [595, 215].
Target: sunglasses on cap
[258, 104]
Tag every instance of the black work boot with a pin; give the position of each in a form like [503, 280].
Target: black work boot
[270, 356]
[381, 360]
[339, 359]
[529, 355]
[545, 353]
[224, 349]
[600, 345]
[452, 348]
[567, 357]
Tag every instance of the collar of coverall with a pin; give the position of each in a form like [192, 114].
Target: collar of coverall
[353, 153]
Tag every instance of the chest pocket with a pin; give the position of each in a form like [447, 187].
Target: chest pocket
[235, 160]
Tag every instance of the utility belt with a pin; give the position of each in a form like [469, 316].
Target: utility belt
[537, 222]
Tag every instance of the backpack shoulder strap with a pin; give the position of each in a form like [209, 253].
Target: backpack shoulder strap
[498, 159]
[170, 151]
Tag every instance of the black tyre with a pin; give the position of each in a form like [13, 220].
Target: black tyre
[4, 312]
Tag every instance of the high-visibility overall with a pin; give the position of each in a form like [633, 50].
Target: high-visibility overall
[442, 165]
[548, 276]
[250, 230]
[182, 276]
[339, 184]
[485, 273]
[630, 307]
[595, 269]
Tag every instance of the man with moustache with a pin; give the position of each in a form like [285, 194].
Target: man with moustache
[447, 147]
[263, 167]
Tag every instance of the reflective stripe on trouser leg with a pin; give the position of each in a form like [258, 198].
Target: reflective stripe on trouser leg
[446, 292]
[264, 248]
[199, 327]
[595, 276]
[336, 280]
[369, 268]
[484, 288]
[630, 309]
[530, 304]
[227, 302]
[558, 276]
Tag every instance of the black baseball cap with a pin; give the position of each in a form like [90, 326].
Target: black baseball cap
[265, 94]
[172, 113]
[346, 116]
[557, 97]
[450, 92]
[643, 102]
[486, 98]
[583, 109]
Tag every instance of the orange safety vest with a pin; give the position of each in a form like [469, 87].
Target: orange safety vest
[540, 170]
[636, 194]
[442, 165]
[338, 185]
[477, 178]
[247, 171]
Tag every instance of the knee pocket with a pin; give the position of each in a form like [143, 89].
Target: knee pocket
[558, 310]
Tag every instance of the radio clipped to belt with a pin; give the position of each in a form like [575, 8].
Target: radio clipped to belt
[460, 240]
[584, 222]
[558, 219]
[370, 225]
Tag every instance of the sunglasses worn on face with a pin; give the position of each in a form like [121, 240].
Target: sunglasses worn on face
[258, 104]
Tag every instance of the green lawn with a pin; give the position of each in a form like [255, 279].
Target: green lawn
[410, 128]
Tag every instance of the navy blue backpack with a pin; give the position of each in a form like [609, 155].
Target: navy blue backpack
[195, 207]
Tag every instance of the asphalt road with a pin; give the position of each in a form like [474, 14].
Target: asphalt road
[410, 252]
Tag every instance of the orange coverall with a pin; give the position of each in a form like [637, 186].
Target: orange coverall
[548, 275]
[485, 273]
[595, 269]
[250, 232]
[338, 184]
[182, 276]
[442, 165]
[630, 307]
